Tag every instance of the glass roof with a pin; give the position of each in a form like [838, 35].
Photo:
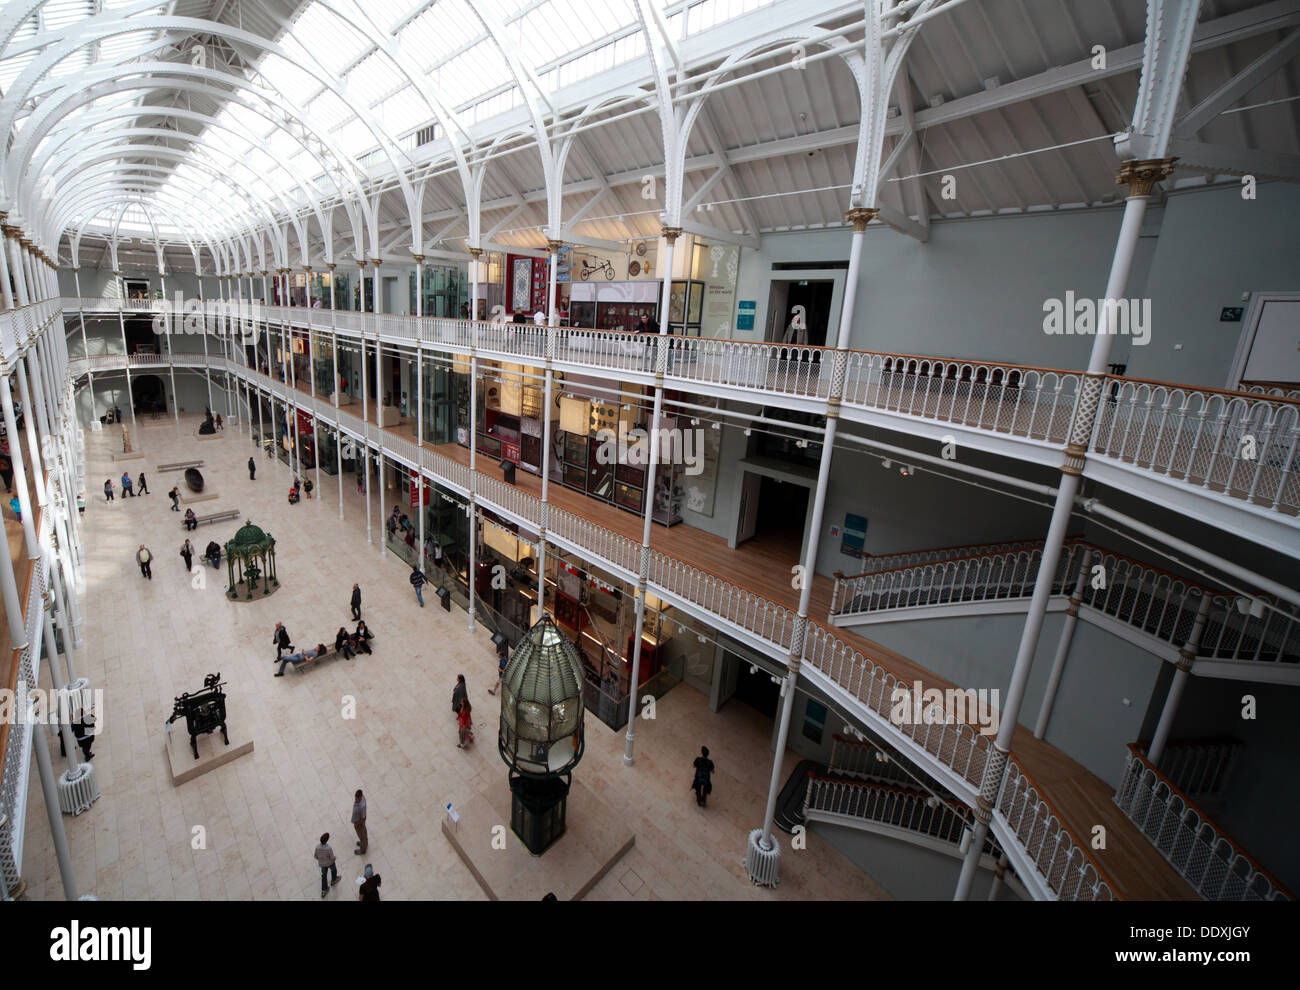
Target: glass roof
[459, 50]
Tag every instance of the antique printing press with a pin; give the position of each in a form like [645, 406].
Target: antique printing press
[204, 711]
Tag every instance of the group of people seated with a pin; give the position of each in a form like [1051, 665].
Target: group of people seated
[349, 643]
[352, 643]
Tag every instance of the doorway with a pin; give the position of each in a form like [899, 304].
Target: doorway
[135, 289]
[811, 299]
[774, 514]
[755, 687]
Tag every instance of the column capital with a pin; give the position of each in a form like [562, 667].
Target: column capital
[670, 234]
[329, 265]
[475, 252]
[10, 230]
[1140, 174]
[419, 258]
[553, 245]
[860, 216]
[376, 262]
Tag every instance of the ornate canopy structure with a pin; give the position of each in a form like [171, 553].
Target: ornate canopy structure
[250, 555]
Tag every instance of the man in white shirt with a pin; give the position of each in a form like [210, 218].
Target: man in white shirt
[539, 318]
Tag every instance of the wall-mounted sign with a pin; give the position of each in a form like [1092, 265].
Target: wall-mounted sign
[855, 535]
[745, 310]
[1231, 314]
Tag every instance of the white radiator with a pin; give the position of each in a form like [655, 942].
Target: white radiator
[78, 789]
[762, 865]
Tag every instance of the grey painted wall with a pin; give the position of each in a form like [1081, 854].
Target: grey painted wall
[908, 872]
[1214, 246]
[1261, 801]
[1090, 722]
[976, 288]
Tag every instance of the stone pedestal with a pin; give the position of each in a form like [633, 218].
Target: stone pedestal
[594, 840]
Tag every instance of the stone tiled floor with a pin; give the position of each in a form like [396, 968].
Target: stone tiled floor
[260, 816]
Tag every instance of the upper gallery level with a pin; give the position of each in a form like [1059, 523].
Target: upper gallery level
[1229, 457]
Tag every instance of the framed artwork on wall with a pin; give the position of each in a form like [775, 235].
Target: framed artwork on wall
[677, 302]
[522, 284]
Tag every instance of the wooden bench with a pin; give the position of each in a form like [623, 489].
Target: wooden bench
[329, 652]
[211, 517]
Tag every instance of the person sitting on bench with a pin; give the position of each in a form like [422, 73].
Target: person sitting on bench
[212, 554]
[297, 658]
[341, 642]
[363, 637]
[191, 520]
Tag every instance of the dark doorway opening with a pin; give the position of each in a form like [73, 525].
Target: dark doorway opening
[757, 690]
[782, 512]
[136, 289]
[149, 394]
[785, 300]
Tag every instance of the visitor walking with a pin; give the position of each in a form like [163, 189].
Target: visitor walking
[219, 426]
[81, 504]
[108, 491]
[307, 486]
[127, 486]
[503, 655]
[464, 726]
[144, 489]
[143, 557]
[16, 508]
[356, 602]
[187, 555]
[702, 785]
[359, 823]
[418, 580]
[325, 860]
[369, 888]
[459, 694]
[175, 495]
[252, 470]
[281, 639]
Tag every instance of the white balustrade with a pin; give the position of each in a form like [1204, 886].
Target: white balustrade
[1237, 444]
[883, 804]
[1213, 864]
[1057, 854]
[1150, 600]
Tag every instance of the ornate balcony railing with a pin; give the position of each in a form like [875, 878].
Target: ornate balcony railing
[1145, 598]
[1057, 853]
[885, 804]
[1216, 867]
[1237, 444]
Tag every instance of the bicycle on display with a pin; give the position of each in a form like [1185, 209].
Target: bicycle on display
[605, 266]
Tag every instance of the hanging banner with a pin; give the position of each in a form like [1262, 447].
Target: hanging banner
[415, 491]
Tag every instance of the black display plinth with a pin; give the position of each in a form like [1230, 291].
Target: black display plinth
[537, 810]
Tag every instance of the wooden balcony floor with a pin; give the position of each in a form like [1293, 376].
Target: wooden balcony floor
[1080, 798]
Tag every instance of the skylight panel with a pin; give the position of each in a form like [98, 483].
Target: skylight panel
[334, 42]
[439, 32]
[555, 29]
[119, 45]
[403, 111]
[328, 111]
[374, 78]
[292, 82]
[56, 14]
